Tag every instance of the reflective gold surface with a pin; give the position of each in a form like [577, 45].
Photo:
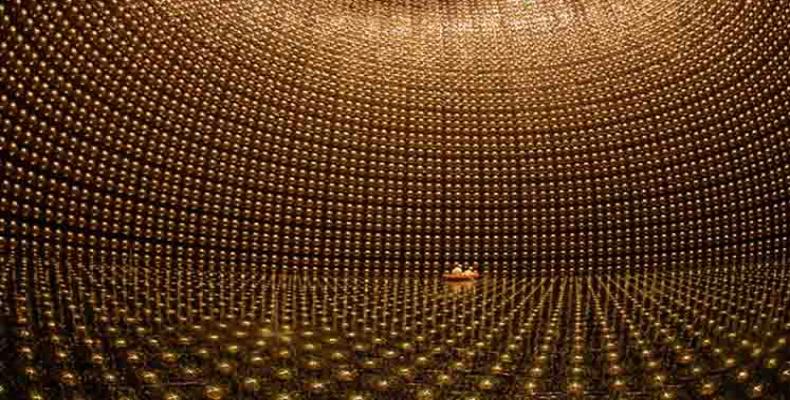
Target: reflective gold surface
[109, 331]
[387, 134]
[229, 199]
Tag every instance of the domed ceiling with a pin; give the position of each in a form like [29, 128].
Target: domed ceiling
[525, 134]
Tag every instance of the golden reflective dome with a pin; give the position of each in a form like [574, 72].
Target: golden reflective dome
[229, 199]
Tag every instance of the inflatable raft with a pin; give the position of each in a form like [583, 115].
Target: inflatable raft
[461, 277]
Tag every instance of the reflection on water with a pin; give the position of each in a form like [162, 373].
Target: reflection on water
[109, 331]
[461, 287]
